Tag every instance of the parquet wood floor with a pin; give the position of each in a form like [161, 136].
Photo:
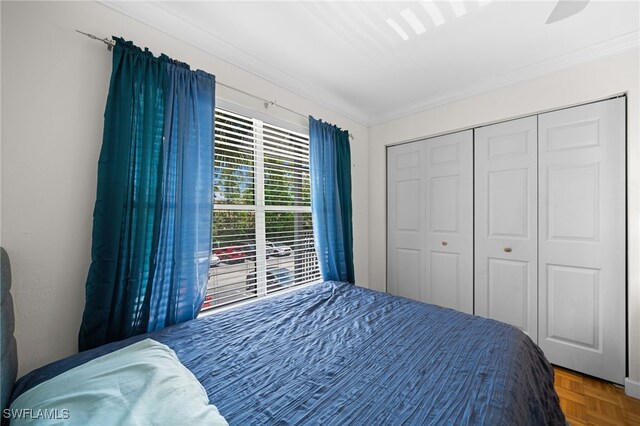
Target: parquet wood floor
[586, 400]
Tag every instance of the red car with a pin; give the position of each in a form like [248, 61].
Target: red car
[230, 254]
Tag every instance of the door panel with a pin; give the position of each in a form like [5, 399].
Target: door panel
[405, 215]
[449, 238]
[506, 223]
[508, 285]
[407, 195]
[574, 199]
[430, 221]
[582, 238]
[407, 272]
[445, 270]
[444, 198]
[508, 191]
[573, 300]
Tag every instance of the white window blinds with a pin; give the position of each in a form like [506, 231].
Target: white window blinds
[262, 229]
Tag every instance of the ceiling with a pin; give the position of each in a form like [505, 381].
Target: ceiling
[346, 56]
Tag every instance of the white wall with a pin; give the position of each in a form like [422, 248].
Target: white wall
[54, 87]
[579, 84]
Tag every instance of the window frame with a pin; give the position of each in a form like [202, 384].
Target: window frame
[260, 209]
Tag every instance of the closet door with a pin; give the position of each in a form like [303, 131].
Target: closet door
[449, 219]
[406, 220]
[582, 238]
[430, 221]
[506, 286]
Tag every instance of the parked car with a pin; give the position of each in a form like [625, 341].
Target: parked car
[231, 254]
[215, 261]
[277, 249]
[276, 278]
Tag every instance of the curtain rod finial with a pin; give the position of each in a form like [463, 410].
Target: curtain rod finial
[110, 43]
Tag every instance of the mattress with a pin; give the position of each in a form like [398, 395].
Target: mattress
[334, 353]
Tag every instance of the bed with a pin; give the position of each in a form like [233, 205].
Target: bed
[335, 353]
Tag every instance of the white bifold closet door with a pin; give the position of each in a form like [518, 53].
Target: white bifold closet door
[406, 227]
[449, 218]
[582, 238]
[430, 220]
[506, 224]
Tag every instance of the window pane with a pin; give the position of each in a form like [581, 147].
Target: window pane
[233, 178]
[233, 258]
[286, 168]
[291, 256]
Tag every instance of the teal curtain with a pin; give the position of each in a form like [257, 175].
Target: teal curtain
[135, 174]
[330, 173]
[182, 267]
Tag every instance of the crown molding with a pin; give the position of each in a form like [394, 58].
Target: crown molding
[600, 50]
[157, 17]
[154, 15]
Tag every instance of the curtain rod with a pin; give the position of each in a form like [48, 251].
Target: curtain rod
[266, 102]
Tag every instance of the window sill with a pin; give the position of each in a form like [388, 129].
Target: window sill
[214, 311]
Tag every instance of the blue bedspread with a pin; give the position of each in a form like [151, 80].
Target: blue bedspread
[336, 354]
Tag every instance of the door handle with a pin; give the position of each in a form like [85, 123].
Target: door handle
[507, 249]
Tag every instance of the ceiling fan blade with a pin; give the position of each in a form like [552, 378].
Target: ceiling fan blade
[564, 9]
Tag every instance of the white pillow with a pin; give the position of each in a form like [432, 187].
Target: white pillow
[142, 384]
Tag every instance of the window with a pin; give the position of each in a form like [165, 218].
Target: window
[262, 229]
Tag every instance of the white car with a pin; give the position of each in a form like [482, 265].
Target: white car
[277, 249]
[215, 260]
